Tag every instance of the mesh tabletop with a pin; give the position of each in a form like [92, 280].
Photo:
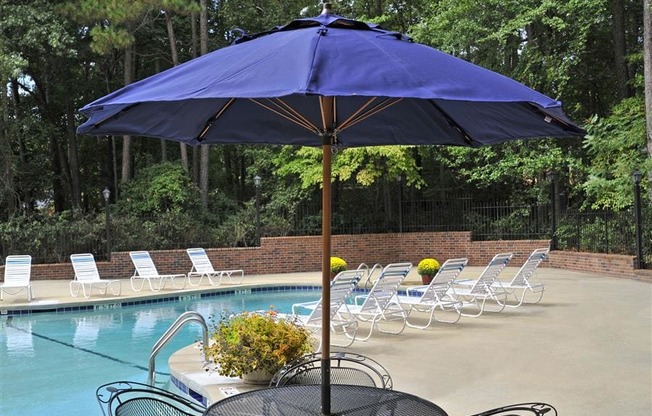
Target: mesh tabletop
[305, 400]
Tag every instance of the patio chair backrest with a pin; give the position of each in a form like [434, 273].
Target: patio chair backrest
[127, 398]
[444, 278]
[85, 267]
[144, 264]
[490, 273]
[200, 261]
[345, 368]
[530, 265]
[18, 269]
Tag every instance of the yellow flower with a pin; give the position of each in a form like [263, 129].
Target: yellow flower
[428, 267]
[337, 265]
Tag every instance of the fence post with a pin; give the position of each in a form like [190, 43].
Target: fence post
[636, 176]
[552, 176]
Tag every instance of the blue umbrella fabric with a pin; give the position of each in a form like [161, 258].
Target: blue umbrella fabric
[387, 90]
[328, 81]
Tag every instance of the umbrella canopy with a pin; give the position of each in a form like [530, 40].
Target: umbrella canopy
[387, 90]
[328, 81]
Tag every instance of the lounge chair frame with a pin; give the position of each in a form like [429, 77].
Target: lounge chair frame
[434, 297]
[381, 304]
[88, 277]
[18, 271]
[521, 284]
[341, 322]
[202, 267]
[476, 293]
[146, 272]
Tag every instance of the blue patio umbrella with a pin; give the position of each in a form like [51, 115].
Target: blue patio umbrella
[332, 82]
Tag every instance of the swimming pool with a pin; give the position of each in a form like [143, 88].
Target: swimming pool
[52, 363]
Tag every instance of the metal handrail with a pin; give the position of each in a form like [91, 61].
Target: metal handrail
[369, 272]
[184, 318]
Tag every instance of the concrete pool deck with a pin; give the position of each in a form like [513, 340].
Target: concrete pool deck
[586, 348]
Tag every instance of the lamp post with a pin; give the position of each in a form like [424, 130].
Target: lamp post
[636, 176]
[257, 180]
[106, 193]
[552, 178]
[399, 179]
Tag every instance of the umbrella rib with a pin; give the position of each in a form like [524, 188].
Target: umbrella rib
[212, 120]
[112, 116]
[363, 113]
[287, 112]
[455, 125]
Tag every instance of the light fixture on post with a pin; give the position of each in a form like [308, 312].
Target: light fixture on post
[257, 181]
[637, 176]
[106, 193]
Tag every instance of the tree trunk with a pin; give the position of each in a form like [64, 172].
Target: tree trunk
[7, 197]
[195, 50]
[73, 160]
[620, 48]
[127, 166]
[647, 48]
[175, 61]
[203, 165]
[164, 142]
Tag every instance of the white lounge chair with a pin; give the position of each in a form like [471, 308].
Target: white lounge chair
[434, 297]
[381, 303]
[202, 267]
[521, 285]
[88, 277]
[146, 272]
[476, 292]
[18, 271]
[341, 321]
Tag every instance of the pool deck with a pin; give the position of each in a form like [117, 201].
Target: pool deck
[586, 348]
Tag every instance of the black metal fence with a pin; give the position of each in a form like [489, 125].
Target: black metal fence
[597, 231]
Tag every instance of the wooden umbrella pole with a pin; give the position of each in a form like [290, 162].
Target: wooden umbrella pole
[327, 119]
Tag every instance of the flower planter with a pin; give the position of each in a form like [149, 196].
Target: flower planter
[426, 279]
[257, 377]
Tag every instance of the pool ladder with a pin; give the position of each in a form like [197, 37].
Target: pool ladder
[368, 282]
[184, 318]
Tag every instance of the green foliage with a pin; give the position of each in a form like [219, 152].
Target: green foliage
[363, 166]
[516, 168]
[52, 238]
[157, 189]
[251, 341]
[616, 145]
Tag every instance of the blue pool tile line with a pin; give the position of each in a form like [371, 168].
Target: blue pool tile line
[197, 397]
[175, 298]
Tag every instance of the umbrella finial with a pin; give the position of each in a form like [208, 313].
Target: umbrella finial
[326, 8]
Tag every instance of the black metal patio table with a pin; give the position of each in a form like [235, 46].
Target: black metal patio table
[304, 400]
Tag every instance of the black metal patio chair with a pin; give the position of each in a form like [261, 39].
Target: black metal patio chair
[521, 409]
[346, 368]
[128, 398]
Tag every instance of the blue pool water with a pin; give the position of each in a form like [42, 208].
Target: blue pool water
[52, 363]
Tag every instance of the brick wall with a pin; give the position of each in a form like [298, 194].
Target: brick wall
[300, 254]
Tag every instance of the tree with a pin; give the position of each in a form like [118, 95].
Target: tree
[647, 39]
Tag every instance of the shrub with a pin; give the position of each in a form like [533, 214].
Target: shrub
[252, 341]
